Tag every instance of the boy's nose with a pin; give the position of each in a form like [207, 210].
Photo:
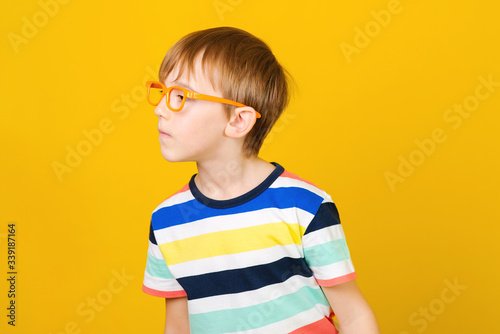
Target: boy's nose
[161, 110]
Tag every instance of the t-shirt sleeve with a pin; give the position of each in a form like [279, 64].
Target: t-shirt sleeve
[325, 247]
[158, 281]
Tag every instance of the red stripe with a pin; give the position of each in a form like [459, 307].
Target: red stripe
[322, 326]
[338, 280]
[165, 294]
[293, 176]
[183, 189]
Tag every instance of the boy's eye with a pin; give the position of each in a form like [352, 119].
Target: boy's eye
[177, 98]
[181, 97]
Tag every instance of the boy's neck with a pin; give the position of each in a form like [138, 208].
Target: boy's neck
[230, 178]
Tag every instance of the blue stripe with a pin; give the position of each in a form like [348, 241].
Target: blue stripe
[280, 198]
[244, 279]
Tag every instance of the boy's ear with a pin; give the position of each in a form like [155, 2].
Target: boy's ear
[241, 122]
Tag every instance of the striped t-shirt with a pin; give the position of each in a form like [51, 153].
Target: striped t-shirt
[251, 264]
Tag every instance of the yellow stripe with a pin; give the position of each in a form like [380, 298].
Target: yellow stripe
[231, 242]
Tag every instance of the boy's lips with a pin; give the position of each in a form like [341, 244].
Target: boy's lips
[163, 133]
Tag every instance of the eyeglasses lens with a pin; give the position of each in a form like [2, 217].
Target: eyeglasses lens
[175, 99]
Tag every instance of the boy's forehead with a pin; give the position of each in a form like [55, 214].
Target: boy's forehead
[196, 78]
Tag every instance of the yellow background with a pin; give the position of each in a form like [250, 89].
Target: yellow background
[349, 122]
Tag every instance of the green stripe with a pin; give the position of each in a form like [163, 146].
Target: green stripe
[251, 317]
[157, 268]
[327, 253]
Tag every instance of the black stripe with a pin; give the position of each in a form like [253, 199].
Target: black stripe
[244, 279]
[152, 237]
[327, 215]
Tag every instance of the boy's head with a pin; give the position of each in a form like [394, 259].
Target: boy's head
[241, 68]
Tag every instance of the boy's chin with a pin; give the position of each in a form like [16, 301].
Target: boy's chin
[171, 157]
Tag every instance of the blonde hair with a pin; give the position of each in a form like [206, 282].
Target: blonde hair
[242, 67]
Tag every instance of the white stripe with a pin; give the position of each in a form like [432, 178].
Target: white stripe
[182, 197]
[286, 182]
[304, 217]
[154, 250]
[253, 297]
[161, 284]
[333, 270]
[228, 222]
[236, 261]
[323, 235]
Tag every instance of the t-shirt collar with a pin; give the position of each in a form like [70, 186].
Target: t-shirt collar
[229, 203]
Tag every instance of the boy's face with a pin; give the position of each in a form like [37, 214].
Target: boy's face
[196, 132]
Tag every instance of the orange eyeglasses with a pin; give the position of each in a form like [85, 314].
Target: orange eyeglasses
[176, 96]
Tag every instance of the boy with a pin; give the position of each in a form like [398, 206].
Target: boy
[245, 246]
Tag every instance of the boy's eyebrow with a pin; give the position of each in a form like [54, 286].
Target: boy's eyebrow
[182, 84]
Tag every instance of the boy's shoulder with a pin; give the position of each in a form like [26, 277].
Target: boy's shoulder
[295, 179]
[291, 180]
[180, 196]
[286, 184]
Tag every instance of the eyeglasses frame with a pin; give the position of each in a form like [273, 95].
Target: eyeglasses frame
[190, 95]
